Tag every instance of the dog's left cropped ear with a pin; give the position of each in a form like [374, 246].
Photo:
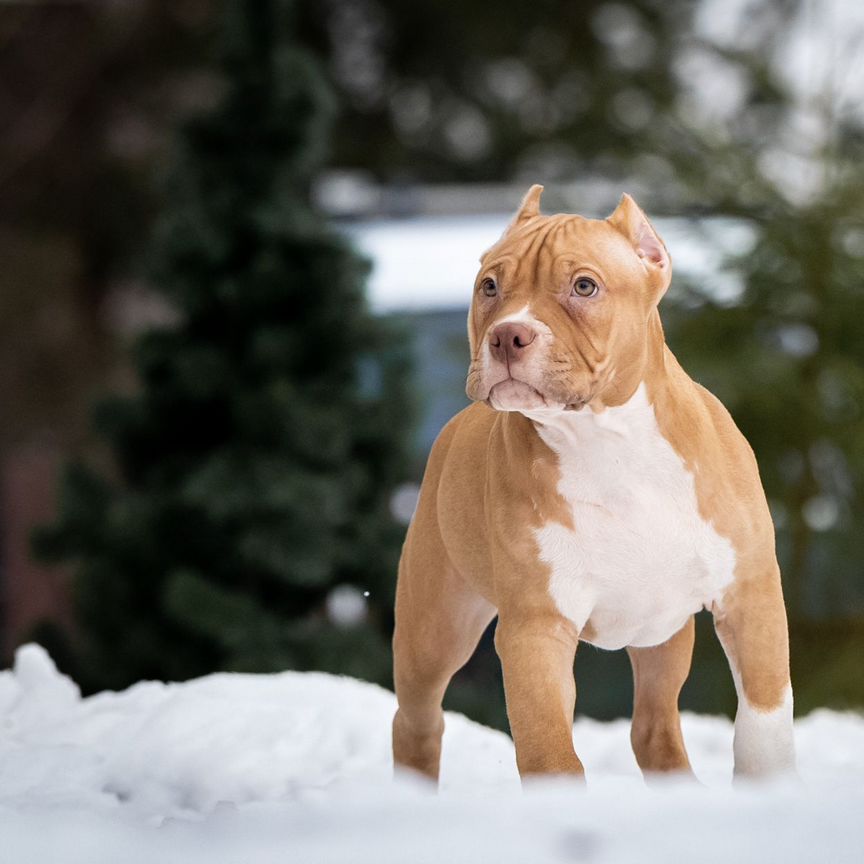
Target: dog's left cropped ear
[629, 219]
[528, 209]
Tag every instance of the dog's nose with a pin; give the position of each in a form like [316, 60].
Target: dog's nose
[509, 341]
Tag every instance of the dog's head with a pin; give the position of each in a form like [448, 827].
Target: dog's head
[561, 305]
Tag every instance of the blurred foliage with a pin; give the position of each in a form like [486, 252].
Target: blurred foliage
[441, 91]
[253, 467]
[721, 110]
[828, 653]
[785, 352]
[791, 370]
[750, 114]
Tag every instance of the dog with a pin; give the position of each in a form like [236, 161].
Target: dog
[592, 492]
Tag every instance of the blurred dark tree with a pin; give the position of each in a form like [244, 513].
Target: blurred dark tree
[89, 93]
[440, 91]
[249, 493]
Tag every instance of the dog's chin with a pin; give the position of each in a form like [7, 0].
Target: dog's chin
[513, 395]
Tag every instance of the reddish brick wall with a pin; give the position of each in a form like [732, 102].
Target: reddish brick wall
[29, 592]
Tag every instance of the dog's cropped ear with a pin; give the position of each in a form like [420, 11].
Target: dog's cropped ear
[528, 209]
[629, 219]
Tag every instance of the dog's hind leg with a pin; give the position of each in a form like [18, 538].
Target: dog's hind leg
[659, 674]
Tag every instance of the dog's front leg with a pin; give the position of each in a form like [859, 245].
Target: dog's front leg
[537, 652]
[751, 625]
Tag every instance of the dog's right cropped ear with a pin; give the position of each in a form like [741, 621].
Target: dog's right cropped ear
[528, 209]
[629, 219]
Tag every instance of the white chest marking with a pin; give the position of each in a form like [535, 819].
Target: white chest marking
[640, 558]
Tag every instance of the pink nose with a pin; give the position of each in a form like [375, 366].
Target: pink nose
[509, 342]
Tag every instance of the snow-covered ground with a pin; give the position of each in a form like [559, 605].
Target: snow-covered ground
[296, 768]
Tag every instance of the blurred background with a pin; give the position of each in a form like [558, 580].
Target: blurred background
[237, 243]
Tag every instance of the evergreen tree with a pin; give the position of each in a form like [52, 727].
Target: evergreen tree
[253, 467]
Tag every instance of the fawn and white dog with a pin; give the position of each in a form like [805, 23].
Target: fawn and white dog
[592, 492]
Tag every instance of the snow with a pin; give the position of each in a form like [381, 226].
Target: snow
[296, 767]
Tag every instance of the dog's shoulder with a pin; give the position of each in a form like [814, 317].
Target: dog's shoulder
[703, 432]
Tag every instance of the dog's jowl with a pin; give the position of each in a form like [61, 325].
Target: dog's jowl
[593, 492]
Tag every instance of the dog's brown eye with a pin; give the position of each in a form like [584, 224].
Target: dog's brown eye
[584, 287]
[489, 288]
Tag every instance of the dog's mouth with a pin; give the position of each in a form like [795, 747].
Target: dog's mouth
[515, 395]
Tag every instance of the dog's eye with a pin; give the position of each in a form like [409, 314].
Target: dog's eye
[584, 287]
[488, 287]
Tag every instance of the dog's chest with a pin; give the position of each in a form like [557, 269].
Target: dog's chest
[640, 558]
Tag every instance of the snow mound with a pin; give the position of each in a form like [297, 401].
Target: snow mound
[246, 768]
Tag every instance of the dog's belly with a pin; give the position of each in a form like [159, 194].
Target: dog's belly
[639, 558]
